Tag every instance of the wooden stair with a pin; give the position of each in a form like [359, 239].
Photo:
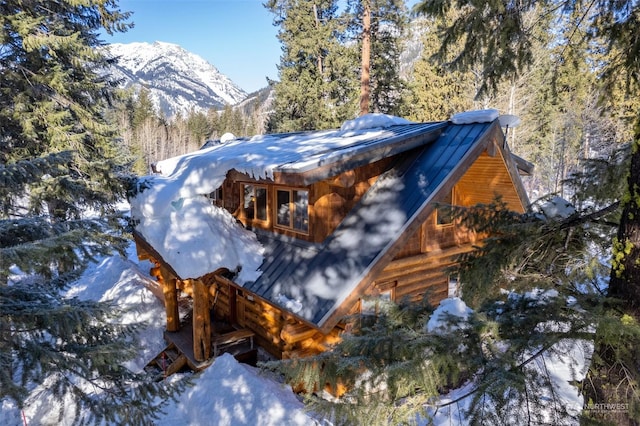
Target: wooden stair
[178, 354]
[169, 361]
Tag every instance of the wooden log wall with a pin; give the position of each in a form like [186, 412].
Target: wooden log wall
[231, 304]
[332, 199]
[422, 274]
[278, 332]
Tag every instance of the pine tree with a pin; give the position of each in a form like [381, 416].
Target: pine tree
[199, 126]
[437, 92]
[62, 174]
[317, 88]
[143, 109]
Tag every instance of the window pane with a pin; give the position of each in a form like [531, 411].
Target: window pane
[301, 213]
[249, 201]
[443, 214]
[282, 205]
[261, 203]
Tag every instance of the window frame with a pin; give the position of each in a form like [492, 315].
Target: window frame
[254, 218]
[371, 306]
[292, 210]
[217, 197]
[452, 195]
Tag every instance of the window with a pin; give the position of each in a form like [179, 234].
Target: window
[376, 305]
[444, 215]
[292, 209]
[255, 202]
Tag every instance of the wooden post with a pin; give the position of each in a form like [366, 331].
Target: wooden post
[201, 321]
[170, 293]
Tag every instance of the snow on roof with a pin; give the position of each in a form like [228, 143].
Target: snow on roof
[477, 116]
[194, 236]
[372, 121]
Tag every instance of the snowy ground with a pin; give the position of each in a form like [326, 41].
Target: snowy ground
[230, 393]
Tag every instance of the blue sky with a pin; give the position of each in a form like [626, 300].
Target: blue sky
[236, 36]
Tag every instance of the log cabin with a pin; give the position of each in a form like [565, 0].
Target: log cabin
[345, 218]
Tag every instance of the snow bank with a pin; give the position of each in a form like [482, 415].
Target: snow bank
[121, 281]
[230, 393]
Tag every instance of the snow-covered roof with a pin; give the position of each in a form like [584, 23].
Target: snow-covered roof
[195, 238]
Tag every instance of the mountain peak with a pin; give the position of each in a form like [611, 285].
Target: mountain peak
[178, 80]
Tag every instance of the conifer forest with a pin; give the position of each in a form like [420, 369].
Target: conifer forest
[72, 143]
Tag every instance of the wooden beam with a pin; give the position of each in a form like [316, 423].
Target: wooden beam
[525, 168]
[141, 242]
[201, 321]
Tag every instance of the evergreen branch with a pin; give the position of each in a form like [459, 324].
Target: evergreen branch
[577, 25]
[545, 347]
[576, 220]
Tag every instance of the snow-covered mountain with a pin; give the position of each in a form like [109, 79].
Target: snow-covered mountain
[178, 80]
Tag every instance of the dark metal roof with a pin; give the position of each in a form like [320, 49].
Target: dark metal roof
[321, 276]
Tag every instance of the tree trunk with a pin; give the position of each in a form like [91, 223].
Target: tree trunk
[365, 78]
[614, 370]
[625, 271]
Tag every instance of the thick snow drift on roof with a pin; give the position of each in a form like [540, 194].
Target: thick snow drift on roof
[194, 236]
[477, 116]
[372, 121]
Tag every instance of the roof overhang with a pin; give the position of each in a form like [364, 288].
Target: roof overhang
[525, 168]
[328, 164]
